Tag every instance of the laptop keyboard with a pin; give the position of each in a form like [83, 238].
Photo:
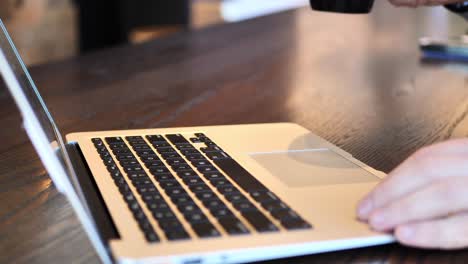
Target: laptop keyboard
[191, 192]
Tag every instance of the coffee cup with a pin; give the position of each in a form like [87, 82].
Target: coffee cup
[343, 6]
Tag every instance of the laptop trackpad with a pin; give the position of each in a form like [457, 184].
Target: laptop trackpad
[313, 167]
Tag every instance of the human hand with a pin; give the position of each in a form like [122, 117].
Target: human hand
[416, 3]
[425, 200]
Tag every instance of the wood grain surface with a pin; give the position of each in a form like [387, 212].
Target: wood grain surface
[357, 81]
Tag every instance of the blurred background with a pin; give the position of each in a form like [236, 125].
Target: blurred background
[48, 30]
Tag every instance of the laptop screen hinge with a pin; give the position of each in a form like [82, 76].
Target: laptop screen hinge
[95, 202]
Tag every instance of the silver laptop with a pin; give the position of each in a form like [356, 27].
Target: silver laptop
[221, 194]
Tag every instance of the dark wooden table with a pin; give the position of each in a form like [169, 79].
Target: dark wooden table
[355, 80]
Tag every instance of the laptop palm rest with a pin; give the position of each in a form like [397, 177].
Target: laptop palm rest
[312, 167]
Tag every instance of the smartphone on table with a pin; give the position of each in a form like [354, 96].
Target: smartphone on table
[450, 49]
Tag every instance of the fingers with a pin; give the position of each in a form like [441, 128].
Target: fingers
[437, 200]
[419, 170]
[416, 3]
[444, 233]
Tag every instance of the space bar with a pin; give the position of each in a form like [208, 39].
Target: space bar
[240, 175]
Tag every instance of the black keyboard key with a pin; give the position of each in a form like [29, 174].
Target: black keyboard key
[97, 142]
[170, 184]
[177, 139]
[260, 222]
[181, 167]
[168, 150]
[185, 147]
[195, 140]
[167, 156]
[213, 176]
[115, 174]
[175, 192]
[233, 226]
[111, 167]
[206, 196]
[220, 182]
[133, 138]
[108, 162]
[244, 206]
[176, 161]
[227, 189]
[274, 206]
[137, 148]
[181, 199]
[105, 156]
[149, 158]
[120, 181]
[125, 163]
[211, 149]
[116, 146]
[262, 196]
[159, 170]
[217, 155]
[144, 152]
[193, 181]
[206, 169]
[199, 135]
[114, 140]
[221, 212]
[163, 177]
[138, 144]
[197, 217]
[205, 139]
[205, 230]
[142, 181]
[134, 207]
[151, 236]
[129, 198]
[188, 208]
[125, 157]
[137, 168]
[187, 152]
[295, 224]
[154, 197]
[213, 204]
[176, 234]
[156, 138]
[200, 188]
[124, 188]
[157, 206]
[136, 175]
[154, 164]
[146, 189]
[163, 215]
[200, 163]
[161, 145]
[285, 215]
[235, 197]
[240, 175]
[187, 174]
[102, 150]
[172, 224]
[121, 151]
[145, 225]
[194, 157]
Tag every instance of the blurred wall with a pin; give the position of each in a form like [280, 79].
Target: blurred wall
[47, 30]
[43, 30]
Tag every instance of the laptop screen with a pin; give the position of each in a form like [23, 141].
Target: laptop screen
[33, 99]
[45, 136]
